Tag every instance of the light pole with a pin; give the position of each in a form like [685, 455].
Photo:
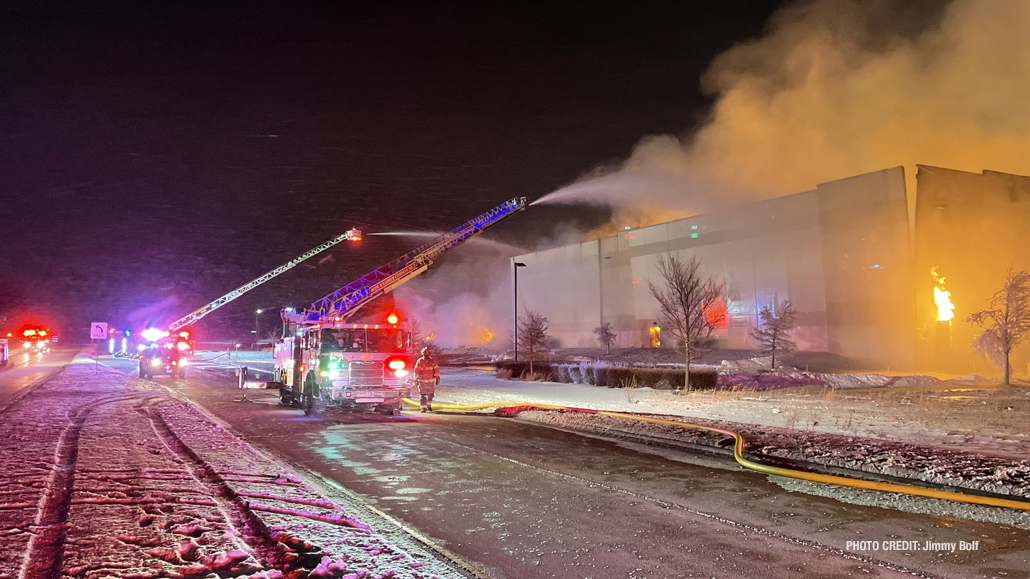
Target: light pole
[257, 328]
[515, 340]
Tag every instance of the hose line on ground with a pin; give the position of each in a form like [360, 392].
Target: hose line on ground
[738, 454]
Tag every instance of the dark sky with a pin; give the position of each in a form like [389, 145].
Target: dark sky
[172, 153]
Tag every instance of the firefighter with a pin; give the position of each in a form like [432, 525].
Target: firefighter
[427, 375]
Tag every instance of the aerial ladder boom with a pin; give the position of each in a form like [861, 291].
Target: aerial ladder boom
[352, 235]
[347, 300]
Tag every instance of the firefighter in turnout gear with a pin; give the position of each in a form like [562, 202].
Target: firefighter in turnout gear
[427, 375]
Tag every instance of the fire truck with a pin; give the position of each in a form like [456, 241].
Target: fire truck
[331, 358]
[349, 366]
[36, 339]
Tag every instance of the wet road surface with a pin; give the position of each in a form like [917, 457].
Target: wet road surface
[25, 369]
[520, 500]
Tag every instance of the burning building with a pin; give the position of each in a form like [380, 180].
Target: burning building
[877, 273]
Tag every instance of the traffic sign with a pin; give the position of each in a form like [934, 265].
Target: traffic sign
[98, 331]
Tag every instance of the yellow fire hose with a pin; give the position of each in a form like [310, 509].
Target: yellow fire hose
[738, 454]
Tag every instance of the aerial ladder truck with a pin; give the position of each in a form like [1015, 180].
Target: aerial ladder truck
[176, 336]
[331, 358]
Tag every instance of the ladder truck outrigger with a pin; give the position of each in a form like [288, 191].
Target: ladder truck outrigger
[329, 357]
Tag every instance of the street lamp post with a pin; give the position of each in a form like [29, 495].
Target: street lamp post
[257, 327]
[515, 339]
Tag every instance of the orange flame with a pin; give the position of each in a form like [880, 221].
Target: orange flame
[484, 335]
[942, 297]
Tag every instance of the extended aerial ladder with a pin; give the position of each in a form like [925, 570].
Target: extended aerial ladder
[351, 235]
[346, 301]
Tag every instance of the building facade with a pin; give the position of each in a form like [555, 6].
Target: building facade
[850, 255]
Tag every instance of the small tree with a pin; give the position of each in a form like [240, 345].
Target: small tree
[532, 340]
[687, 302]
[606, 336]
[774, 332]
[420, 340]
[1005, 322]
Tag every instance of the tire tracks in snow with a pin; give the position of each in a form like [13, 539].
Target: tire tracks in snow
[44, 553]
[251, 535]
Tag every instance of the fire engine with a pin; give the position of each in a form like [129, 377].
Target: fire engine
[329, 358]
[36, 339]
[350, 366]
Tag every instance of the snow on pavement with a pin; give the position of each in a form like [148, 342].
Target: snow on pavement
[109, 476]
[837, 437]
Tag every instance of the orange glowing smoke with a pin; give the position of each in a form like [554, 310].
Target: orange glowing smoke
[942, 297]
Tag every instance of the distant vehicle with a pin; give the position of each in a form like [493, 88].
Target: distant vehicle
[4, 353]
[159, 361]
[36, 339]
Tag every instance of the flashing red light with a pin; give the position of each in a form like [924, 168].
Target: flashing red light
[392, 319]
[182, 346]
[184, 334]
[396, 364]
[29, 333]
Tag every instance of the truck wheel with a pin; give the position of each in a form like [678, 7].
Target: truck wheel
[285, 396]
[182, 373]
[142, 374]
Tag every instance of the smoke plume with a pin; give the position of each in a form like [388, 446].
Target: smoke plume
[839, 88]
[467, 300]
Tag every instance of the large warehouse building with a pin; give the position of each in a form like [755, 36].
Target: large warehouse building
[855, 256]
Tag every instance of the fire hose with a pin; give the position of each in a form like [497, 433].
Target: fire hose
[738, 455]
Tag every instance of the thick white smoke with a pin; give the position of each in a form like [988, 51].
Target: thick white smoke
[466, 300]
[838, 88]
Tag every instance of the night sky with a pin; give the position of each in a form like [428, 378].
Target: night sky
[169, 154]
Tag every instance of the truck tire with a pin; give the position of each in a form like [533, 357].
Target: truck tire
[285, 395]
[182, 373]
[142, 374]
[310, 395]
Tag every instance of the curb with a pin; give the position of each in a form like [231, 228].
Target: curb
[30, 388]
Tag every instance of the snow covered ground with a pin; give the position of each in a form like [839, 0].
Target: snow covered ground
[109, 476]
[951, 414]
[940, 432]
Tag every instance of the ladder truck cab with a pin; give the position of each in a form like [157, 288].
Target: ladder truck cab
[351, 366]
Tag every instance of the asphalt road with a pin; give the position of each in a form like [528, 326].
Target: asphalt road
[520, 500]
[24, 370]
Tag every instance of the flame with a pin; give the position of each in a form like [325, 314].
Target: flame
[942, 297]
[484, 335]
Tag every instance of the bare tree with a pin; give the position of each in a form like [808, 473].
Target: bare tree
[1005, 322]
[774, 334]
[606, 336]
[688, 303]
[420, 340]
[532, 336]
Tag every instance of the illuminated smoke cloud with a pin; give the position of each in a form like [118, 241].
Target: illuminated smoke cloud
[838, 88]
